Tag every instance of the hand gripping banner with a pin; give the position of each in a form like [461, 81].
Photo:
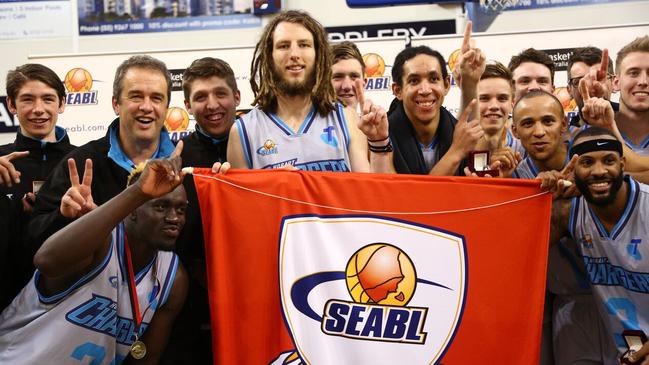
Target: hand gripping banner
[344, 268]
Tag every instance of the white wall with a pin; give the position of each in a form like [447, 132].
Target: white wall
[329, 13]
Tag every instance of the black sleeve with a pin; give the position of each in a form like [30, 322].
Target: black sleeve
[46, 218]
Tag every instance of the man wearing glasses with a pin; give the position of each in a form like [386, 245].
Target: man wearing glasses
[585, 61]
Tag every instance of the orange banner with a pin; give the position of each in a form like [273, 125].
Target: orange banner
[345, 268]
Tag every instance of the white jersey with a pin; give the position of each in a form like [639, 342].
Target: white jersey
[321, 143]
[641, 149]
[566, 272]
[617, 262]
[92, 321]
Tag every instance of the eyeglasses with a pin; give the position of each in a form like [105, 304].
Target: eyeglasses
[574, 82]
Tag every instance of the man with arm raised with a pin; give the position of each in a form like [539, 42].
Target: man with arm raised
[107, 284]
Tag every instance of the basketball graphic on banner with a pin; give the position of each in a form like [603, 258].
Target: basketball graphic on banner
[374, 65]
[176, 120]
[452, 59]
[78, 80]
[380, 273]
[567, 102]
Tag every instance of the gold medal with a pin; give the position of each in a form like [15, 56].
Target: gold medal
[138, 350]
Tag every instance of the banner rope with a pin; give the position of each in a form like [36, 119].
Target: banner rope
[369, 211]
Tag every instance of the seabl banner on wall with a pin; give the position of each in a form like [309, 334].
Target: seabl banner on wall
[344, 268]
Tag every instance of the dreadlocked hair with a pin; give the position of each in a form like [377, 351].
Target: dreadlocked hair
[136, 173]
[261, 69]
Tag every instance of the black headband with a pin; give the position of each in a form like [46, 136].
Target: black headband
[596, 145]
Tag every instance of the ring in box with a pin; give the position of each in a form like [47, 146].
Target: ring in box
[634, 340]
[479, 164]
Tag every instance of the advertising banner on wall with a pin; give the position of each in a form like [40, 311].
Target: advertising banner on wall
[35, 19]
[90, 76]
[88, 80]
[97, 17]
[411, 29]
[8, 123]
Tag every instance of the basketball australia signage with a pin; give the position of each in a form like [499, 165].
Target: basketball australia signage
[407, 30]
[382, 291]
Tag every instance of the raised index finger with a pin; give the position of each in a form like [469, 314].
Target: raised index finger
[360, 93]
[178, 150]
[570, 167]
[467, 111]
[466, 41]
[74, 174]
[603, 69]
[17, 154]
[583, 89]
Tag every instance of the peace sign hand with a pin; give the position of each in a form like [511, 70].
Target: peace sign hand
[596, 111]
[78, 201]
[596, 79]
[373, 121]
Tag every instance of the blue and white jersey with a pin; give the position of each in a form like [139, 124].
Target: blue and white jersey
[617, 262]
[92, 321]
[566, 273]
[641, 149]
[515, 144]
[320, 144]
[526, 169]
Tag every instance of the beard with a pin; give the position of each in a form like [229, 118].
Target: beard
[616, 184]
[293, 88]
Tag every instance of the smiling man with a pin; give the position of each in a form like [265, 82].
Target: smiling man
[632, 81]
[36, 96]
[107, 285]
[141, 91]
[609, 222]
[532, 70]
[296, 121]
[427, 137]
[347, 67]
[211, 96]
[572, 329]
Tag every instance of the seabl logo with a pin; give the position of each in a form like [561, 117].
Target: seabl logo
[78, 83]
[268, 148]
[374, 72]
[369, 290]
[176, 123]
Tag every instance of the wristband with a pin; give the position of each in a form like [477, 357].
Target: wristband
[378, 140]
[380, 149]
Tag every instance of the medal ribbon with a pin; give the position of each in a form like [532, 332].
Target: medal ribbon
[135, 305]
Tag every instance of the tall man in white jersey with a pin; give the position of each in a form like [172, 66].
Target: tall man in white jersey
[296, 121]
[609, 221]
[107, 285]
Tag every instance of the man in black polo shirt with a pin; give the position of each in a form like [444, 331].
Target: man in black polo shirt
[141, 92]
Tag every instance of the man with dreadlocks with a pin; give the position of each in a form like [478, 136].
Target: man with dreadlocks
[296, 121]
